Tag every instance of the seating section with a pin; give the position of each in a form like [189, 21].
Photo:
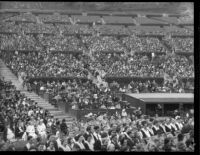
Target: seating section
[67, 65]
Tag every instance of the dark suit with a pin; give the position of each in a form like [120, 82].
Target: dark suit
[18, 132]
[177, 127]
[173, 130]
[155, 131]
[152, 134]
[87, 148]
[87, 134]
[78, 147]
[167, 129]
[97, 143]
[161, 129]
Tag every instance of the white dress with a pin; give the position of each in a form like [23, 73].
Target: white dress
[10, 134]
[42, 130]
[31, 131]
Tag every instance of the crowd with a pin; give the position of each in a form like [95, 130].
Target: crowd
[27, 27]
[86, 95]
[23, 17]
[61, 43]
[32, 43]
[28, 127]
[112, 29]
[181, 44]
[18, 42]
[53, 18]
[80, 95]
[98, 44]
[44, 64]
[173, 30]
[118, 65]
[146, 44]
[149, 86]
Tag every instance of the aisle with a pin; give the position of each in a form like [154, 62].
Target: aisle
[9, 76]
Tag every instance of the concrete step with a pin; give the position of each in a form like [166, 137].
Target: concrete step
[42, 103]
[62, 116]
[56, 112]
[9, 76]
[38, 100]
[59, 114]
[46, 105]
[67, 118]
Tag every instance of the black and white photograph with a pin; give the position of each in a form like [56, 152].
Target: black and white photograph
[97, 76]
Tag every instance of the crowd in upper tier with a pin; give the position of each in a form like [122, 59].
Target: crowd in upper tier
[44, 64]
[95, 44]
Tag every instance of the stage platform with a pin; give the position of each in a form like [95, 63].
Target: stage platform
[164, 97]
[167, 101]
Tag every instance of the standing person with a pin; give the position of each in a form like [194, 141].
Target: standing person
[19, 130]
[20, 78]
[10, 134]
[41, 128]
[31, 130]
[64, 128]
[97, 138]
[89, 133]
[53, 127]
[24, 80]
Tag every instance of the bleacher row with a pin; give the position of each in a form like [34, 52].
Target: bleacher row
[26, 36]
[86, 18]
[106, 30]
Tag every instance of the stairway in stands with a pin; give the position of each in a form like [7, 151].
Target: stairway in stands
[9, 76]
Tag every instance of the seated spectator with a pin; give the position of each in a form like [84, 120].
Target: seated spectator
[51, 147]
[180, 144]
